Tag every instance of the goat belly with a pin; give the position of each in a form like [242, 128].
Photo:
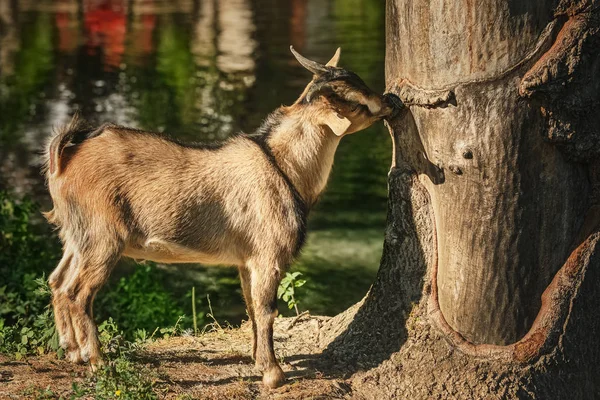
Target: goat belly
[162, 251]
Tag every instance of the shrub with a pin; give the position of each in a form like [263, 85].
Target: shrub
[139, 301]
[26, 254]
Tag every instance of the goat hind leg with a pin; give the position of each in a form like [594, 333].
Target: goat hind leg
[95, 266]
[245, 278]
[60, 304]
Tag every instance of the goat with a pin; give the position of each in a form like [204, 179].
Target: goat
[118, 192]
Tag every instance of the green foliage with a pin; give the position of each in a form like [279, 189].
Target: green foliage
[121, 377]
[172, 330]
[139, 301]
[25, 255]
[26, 320]
[175, 63]
[41, 394]
[287, 289]
[20, 339]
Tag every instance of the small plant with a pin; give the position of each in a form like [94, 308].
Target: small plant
[26, 321]
[174, 330]
[31, 335]
[194, 316]
[212, 326]
[287, 289]
[121, 377]
[40, 394]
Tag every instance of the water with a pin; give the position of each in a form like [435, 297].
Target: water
[202, 70]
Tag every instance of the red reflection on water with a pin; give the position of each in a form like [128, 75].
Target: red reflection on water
[105, 29]
[142, 33]
[298, 23]
[66, 24]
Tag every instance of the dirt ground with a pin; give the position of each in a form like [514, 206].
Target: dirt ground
[215, 365]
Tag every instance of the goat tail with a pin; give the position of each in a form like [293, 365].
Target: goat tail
[52, 154]
[58, 141]
[51, 217]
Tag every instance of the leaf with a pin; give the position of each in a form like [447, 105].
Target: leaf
[285, 282]
[300, 282]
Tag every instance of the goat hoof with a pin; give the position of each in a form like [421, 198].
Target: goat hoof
[74, 356]
[96, 364]
[273, 377]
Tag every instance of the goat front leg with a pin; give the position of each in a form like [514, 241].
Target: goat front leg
[245, 278]
[265, 278]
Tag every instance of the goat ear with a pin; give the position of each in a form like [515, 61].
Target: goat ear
[335, 59]
[336, 122]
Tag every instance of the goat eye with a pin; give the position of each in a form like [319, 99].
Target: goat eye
[355, 107]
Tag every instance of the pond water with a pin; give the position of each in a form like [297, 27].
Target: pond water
[202, 70]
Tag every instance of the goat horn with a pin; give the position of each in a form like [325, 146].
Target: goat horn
[335, 59]
[314, 89]
[312, 66]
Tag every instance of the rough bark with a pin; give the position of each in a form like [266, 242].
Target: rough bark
[488, 280]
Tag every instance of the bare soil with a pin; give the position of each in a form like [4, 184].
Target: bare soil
[214, 365]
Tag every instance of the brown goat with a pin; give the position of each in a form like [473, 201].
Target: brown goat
[124, 192]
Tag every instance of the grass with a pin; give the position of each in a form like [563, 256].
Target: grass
[339, 266]
[121, 377]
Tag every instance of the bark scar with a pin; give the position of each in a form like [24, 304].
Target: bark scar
[413, 95]
[561, 63]
[550, 323]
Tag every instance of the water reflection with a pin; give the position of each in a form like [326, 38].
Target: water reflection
[199, 69]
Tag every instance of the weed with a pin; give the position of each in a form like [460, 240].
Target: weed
[120, 377]
[26, 321]
[194, 316]
[287, 289]
[41, 394]
[172, 330]
[31, 335]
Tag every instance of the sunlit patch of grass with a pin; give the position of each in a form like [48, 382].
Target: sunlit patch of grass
[220, 284]
[339, 266]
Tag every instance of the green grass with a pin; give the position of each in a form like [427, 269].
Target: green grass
[339, 266]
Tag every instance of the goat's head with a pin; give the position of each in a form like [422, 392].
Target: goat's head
[345, 103]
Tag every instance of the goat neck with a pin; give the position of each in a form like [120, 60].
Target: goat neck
[303, 149]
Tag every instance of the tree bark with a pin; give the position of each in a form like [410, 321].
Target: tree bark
[488, 281]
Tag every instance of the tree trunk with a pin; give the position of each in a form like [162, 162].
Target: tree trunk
[488, 280]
